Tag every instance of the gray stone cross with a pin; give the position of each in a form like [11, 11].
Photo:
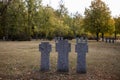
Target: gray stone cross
[63, 48]
[81, 49]
[45, 49]
[113, 40]
[110, 40]
[106, 40]
[57, 39]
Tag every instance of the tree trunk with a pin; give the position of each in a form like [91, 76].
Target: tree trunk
[97, 36]
[3, 24]
[102, 36]
[115, 35]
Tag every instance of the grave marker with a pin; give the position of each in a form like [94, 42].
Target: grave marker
[113, 40]
[57, 39]
[63, 48]
[106, 40]
[81, 48]
[45, 49]
[110, 40]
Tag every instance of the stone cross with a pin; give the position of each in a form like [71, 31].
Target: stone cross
[45, 49]
[58, 38]
[113, 40]
[110, 40]
[81, 48]
[106, 40]
[55, 39]
[63, 48]
[81, 40]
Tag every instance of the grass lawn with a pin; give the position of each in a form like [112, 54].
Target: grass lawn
[21, 60]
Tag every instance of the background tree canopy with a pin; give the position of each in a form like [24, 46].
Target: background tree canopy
[98, 19]
[27, 19]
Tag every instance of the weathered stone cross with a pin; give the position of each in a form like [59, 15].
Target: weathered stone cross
[81, 48]
[63, 48]
[45, 49]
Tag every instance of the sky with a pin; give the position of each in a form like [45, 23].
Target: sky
[74, 6]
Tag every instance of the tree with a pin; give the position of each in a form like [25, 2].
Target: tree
[16, 20]
[61, 14]
[97, 18]
[3, 8]
[77, 24]
[48, 22]
[117, 26]
[32, 8]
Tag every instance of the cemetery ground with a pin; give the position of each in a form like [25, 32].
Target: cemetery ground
[21, 60]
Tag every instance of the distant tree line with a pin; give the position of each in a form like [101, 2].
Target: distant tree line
[29, 19]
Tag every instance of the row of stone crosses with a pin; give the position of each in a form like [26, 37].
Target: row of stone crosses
[63, 47]
[109, 40]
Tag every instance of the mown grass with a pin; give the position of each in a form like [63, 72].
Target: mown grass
[21, 60]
